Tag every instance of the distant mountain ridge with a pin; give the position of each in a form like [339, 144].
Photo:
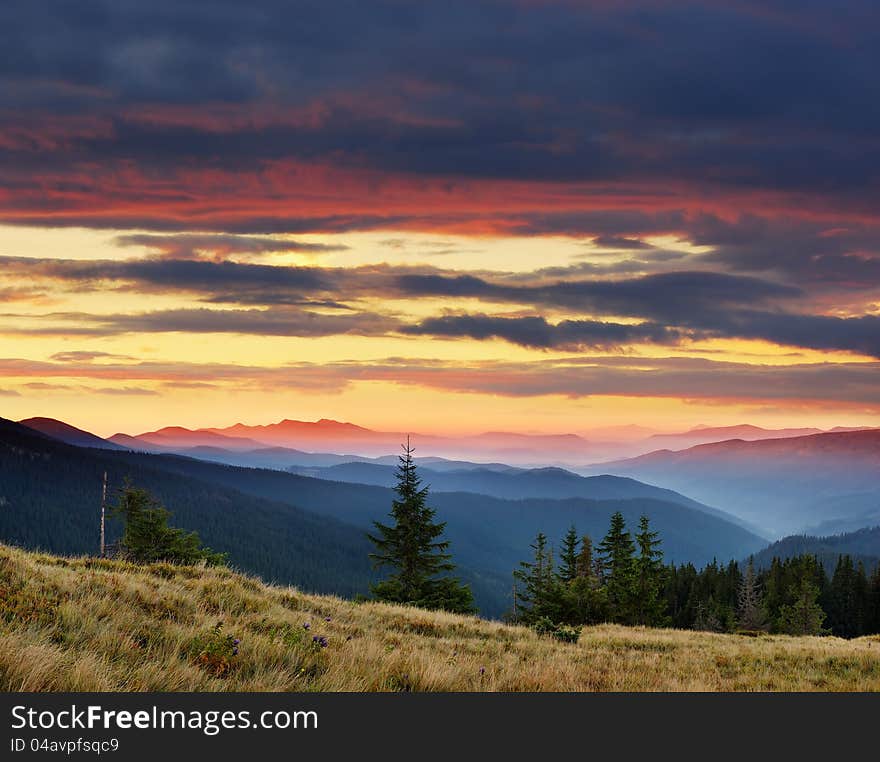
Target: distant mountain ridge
[521, 449]
[783, 485]
[178, 436]
[707, 434]
[338, 436]
[70, 434]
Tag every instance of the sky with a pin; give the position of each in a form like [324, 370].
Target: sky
[451, 217]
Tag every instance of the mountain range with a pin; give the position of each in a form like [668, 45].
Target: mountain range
[775, 482]
[311, 531]
[328, 435]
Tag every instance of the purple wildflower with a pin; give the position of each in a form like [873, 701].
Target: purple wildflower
[482, 671]
[306, 626]
[236, 642]
[326, 618]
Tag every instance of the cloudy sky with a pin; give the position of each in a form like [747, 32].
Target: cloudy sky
[455, 216]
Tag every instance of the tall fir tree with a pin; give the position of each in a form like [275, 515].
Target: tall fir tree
[616, 556]
[537, 589]
[649, 578]
[586, 564]
[568, 557]
[588, 603]
[803, 615]
[413, 548]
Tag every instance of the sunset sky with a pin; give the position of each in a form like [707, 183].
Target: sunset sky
[454, 216]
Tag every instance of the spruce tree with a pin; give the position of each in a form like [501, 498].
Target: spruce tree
[568, 558]
[413, 547]
[147, 536]
[537, 591]
[616, 555]
[804, 615]
[586, 566]
[649, 578]
[587, 600]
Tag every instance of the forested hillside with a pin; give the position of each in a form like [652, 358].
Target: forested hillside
[862, 545]
[50, 497]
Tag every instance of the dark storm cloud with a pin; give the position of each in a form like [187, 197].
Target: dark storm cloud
[820, 255]
[706, 92]
[856, 334]
[669, 307]
[537, 333]
[192, 245]
[172, 275]
[620, 242]
[664, 296]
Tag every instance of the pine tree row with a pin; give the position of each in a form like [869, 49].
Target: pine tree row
[625, 581]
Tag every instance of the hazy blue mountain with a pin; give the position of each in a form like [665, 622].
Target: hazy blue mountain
[847, 513]
[780, 485]
[512, 483]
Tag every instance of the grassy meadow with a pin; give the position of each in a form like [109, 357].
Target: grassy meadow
[85, 624]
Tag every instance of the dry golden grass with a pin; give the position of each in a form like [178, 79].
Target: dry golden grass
[87, 624]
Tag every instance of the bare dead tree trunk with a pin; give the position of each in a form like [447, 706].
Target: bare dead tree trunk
[103, 511]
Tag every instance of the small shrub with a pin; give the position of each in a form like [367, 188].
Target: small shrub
[567, 633]
[562, 632]
[214, 651]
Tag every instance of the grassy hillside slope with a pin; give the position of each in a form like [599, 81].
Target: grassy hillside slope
[88, 624]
